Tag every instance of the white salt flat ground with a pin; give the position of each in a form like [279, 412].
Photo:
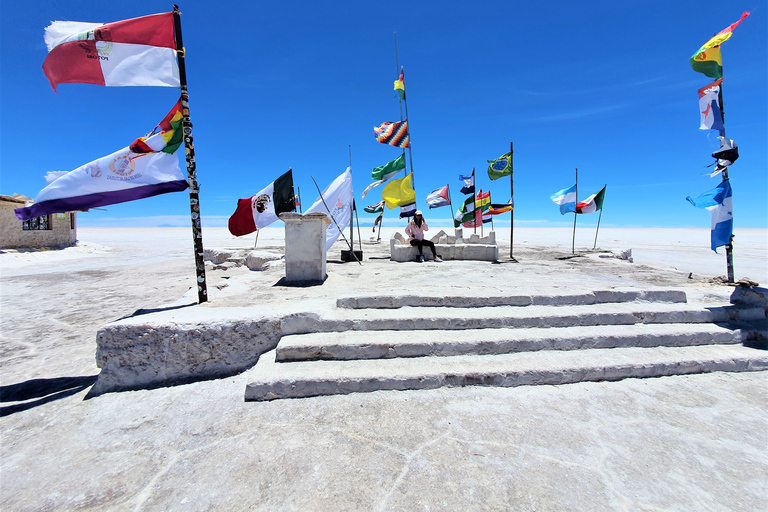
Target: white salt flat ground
[683, 443]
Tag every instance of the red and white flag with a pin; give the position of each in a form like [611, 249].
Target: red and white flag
[138, 51]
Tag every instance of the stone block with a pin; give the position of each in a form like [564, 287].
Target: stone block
[305, 250]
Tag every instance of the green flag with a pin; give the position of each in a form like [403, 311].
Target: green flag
[466, 211]
[500, 167]
[388, 170]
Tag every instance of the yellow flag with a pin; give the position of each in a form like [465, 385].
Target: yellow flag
[398, 192]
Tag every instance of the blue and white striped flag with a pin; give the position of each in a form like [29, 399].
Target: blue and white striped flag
[566, 198]
[719, 202]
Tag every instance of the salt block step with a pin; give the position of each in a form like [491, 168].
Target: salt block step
[431, 318]
[317, 378]
[379, 301]
[388, 344]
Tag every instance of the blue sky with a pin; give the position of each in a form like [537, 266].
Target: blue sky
[601, 86]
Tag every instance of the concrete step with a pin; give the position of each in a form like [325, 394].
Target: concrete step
[387, 344]
[317, 378]
[379, 301]
[408, 318]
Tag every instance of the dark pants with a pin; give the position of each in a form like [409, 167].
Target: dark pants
[421, 243]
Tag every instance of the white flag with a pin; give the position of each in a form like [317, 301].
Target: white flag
[338, 197]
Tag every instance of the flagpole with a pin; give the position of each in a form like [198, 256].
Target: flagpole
[405, 101]
[573, 245]
[474, 200]
[299, 194]
[450, 203]
[189, 150]
[729, 245]
[598, 228]
[341, 231]
[490, 203]
[512, 196]
[359, 236]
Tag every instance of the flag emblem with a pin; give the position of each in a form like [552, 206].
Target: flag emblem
[122, 166]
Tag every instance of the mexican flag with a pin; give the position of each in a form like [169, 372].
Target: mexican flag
[592, 203]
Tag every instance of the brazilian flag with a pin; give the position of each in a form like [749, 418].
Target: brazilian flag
[500, 167]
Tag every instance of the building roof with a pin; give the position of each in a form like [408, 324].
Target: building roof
[16, 198]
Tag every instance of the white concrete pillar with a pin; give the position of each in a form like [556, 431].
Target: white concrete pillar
[305, 249]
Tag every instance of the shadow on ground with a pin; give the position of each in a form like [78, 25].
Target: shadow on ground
[45, 390]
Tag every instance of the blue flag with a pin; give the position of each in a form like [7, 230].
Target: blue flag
[566, 198]
[719, 202]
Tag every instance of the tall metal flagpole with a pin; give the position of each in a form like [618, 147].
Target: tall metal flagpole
[598, 223]
[573, 245]
[450, 203]
[189, 150]
[405, 101]
[729, 245]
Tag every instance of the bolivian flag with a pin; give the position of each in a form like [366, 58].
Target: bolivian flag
[400, 85]
[707, 59]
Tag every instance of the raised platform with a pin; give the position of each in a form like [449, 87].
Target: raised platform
[448, 247]
[370, 342]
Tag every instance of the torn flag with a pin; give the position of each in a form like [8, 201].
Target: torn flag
[710, 108]
[719, 202]
[137, 51]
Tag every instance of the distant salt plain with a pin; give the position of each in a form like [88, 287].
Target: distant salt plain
[685, 250]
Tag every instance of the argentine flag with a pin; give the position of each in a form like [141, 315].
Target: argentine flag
[719, 202]
[566, 198]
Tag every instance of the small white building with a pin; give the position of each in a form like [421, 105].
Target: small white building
[54, 230]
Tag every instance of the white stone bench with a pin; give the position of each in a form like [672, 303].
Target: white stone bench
[448, 247]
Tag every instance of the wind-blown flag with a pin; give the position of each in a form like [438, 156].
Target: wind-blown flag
[394, 134]
[385, 172]
[500, 167]
[138, 51]
[566, 198]
[497, 209]
[377, 222]
[339, 197]
[439, 197]
[466, 212]
[720, 203]
[710, 108]
[592, 203]
[407, 210]
[485, 218]
[399, 192]
[389, 169]
[707, 59]
[469, 183]
[400, 85]
[262, 209]
[146, 168]
[376, 208]
[483, 200]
